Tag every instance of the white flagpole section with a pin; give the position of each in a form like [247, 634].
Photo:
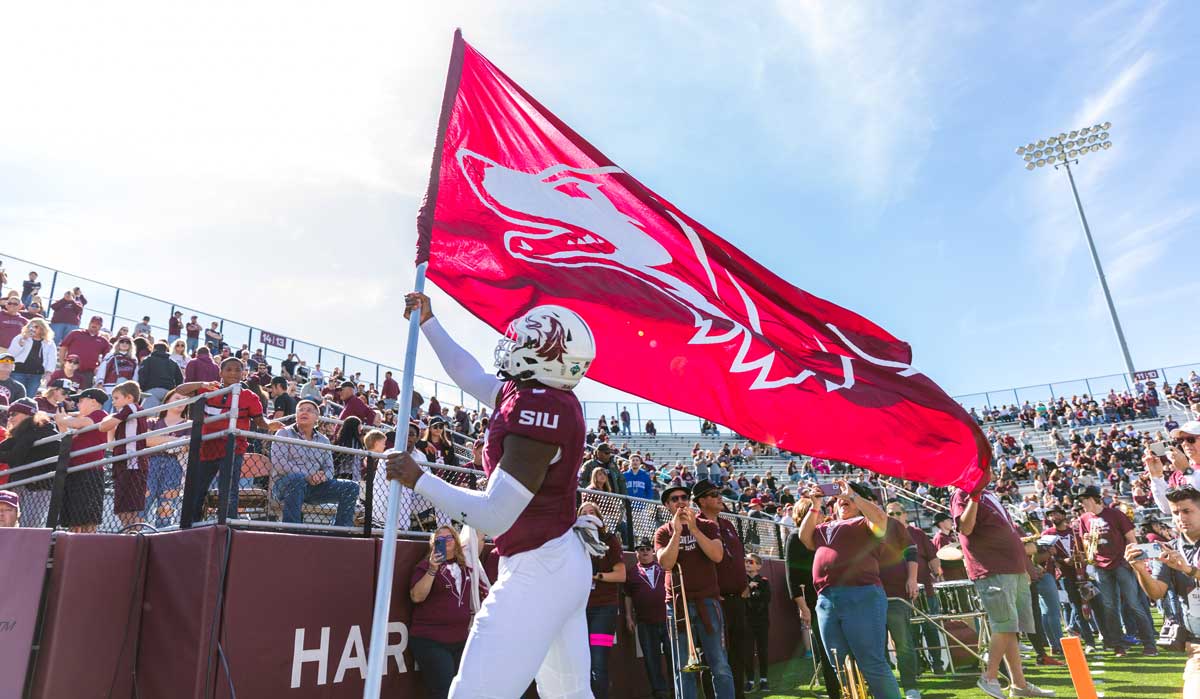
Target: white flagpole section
[376, 654]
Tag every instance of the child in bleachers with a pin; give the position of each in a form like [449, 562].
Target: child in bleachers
[129, 476]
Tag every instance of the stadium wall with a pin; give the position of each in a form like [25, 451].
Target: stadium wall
[194, 613]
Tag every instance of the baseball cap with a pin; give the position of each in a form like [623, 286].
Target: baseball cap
[96, 319]
[1089, 491]
[1191, 427]
[346, 384]
[72, 357]
[644, 543]
[6, 357]
[604, 446]
[8, 497]
[93, 393]
[65, 384]
[940, 517]
[23, 406]
[755, 501]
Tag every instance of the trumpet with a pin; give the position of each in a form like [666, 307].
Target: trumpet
[693, 660]
[1092, 543]
[854, 685]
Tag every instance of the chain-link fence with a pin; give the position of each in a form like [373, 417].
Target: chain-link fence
[191, 461]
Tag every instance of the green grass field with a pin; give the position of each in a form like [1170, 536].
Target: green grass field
[1116, 678]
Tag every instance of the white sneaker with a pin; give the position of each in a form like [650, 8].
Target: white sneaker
[912, 694]
[990, 687]
[1030, 690]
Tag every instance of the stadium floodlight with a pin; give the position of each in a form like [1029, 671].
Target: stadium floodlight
[1062, 150]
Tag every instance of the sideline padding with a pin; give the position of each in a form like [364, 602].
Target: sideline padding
[92, 615]
[23, 553]
[292, 615]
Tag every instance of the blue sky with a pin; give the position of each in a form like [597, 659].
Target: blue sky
[864, 151]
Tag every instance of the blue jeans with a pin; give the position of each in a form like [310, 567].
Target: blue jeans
[602, 628]
[927, 632]
[655, 647]
[1119, 588]
[713, 644]
[61, 330]
[192, 344]
[899, 617]
[31, 382]
[164, 477]
[1051, 604]
[294, 491]
[854, 620]
[171, 339]
[439, 663]
[206, 472]
[390, 403]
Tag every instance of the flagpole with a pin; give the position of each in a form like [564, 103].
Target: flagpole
[376, 656]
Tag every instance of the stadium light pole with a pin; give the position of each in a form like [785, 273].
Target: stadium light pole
[1060, 150]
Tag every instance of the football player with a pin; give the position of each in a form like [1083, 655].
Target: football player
[533, 623]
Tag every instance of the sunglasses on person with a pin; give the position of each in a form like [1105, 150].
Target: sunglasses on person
[679, 498]
[1188, 440]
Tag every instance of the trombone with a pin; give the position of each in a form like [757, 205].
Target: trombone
[693, 663]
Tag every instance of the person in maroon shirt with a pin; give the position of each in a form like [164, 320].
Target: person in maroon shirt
[390, 392]
[67, 313]
[129, 476]
[694, 545]
[69, 372]
[193, 329]
[851, 605]
[996, 564]
[90, 346]
[603, 605]
[440, 590]
[353, 405]
[84, 490]
[1118, 582]
[646, 615]
[899, 570]
[202, 368]
[174, 327]
[1066, 551]
[929, 570]
[11, 321]
[731, 579]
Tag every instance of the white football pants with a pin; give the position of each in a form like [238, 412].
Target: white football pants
[532, 624]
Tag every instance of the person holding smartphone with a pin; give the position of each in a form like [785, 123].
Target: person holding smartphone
[440, 590]
[1183, 452]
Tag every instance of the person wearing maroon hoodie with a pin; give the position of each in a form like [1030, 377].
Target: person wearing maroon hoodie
[603, 605]
[67, 313]
[646, 615]
[353, 405]
[440, 590]
[202, 368]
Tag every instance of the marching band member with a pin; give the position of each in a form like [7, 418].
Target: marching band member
[1067, 553]
[1118, 583]
[731, 579]
[851, 605]
[694, 544]
[995, 561]
[898, 572]
[929, 569]
[804, 594]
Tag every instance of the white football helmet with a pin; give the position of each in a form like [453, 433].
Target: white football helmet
[548, 344]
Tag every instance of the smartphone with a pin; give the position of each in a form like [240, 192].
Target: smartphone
[830, 489]
[1151, 551]
[439, 547]
[1158, 448]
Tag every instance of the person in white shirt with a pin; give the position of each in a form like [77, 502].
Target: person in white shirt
[1184, 456]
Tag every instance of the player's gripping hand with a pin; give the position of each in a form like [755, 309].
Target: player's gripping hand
[402, 467]
[414, 300]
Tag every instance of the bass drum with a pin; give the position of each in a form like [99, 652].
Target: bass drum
[966, 634]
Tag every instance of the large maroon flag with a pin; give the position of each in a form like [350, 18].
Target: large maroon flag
[522, 211]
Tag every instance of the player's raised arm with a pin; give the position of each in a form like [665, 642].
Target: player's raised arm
[463, 369]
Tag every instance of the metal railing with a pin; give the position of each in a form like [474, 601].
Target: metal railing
[122, 306]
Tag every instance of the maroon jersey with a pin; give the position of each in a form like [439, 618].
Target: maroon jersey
[731, 571]
[893, 559]
[925, 553]
[647, 587]
[1112, 525]
[699, 571]
[847, 554]
[551, 416]
[994, 547]
[130, 427]
[606, 594]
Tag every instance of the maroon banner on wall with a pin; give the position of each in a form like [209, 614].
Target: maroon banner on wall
[291, 614]
[93, 610]
[24, 553]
